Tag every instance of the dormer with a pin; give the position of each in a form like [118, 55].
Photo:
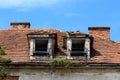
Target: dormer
[41, 45]
[78, 46]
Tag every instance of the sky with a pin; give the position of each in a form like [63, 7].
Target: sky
[66, 15]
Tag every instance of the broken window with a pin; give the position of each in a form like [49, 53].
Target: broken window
[41, 46]
[78, 47]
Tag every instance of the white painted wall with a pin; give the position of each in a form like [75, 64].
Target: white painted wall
[66, 74]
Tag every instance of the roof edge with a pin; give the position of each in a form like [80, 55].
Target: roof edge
[17, 23]
[105, 27]
[90, 65]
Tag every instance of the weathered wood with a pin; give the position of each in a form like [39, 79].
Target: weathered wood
[49, 50]
[69, 46]
[87, 47]
[32, 46]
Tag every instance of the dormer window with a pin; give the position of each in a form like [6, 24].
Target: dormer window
[41, 46]
[78, 47]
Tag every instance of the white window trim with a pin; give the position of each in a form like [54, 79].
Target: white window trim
[50, 47]
[69, 46]
[32, 41]
[40, 39]
[86, 47]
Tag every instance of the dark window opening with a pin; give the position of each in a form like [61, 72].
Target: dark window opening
[78, 48]
[40, 54]
[78, 54]
[41, 47]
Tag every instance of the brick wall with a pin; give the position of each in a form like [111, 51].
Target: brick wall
[102, 32]
[9, 77]
[20, 25]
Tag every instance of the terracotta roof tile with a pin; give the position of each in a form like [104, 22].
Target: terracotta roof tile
[104, 50]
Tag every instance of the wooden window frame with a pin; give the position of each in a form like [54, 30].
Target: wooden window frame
[48, 54]
[82, 54]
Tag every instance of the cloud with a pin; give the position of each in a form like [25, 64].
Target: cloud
[27, 3]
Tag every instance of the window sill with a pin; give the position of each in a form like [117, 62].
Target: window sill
[39, 57]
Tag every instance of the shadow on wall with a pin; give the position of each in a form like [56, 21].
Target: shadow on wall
[95, 53]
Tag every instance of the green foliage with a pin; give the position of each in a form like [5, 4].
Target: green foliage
[2, 50]
[2, 71]
[5, 60]
[60, 61]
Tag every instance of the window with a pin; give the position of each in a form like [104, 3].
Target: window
[78, 48]
[41, 46]
[78, 45]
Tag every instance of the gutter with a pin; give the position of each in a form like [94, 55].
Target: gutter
[47, 65]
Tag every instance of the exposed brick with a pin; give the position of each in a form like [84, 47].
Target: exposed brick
[20, 25]
[16, 40]
[102, 32]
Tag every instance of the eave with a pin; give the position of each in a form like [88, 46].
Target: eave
[34, 65]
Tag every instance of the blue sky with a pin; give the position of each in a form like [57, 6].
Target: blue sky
[67, 15]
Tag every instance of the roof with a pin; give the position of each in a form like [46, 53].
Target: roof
[99, 28]
[103, 50]
[16, 23]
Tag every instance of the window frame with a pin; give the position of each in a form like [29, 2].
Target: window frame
[83, 54]
[79, 39]
[40, 52]
[77, 54]
[50, 48]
